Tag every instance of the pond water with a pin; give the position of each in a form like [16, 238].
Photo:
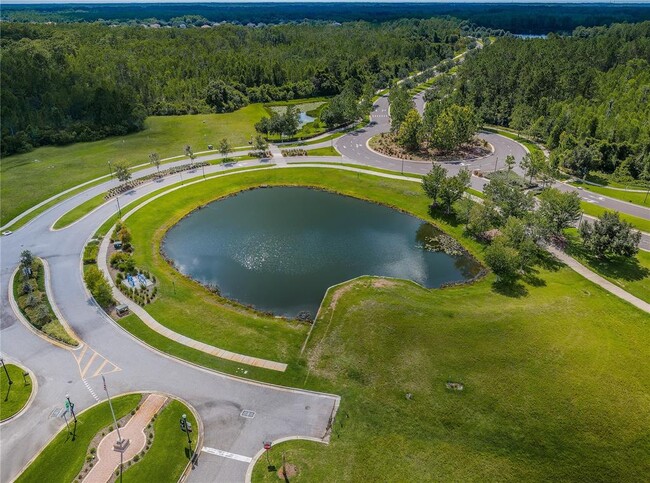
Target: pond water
[305, 119]
[279, 249]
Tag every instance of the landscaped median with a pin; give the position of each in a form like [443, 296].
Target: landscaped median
[30, 294]
[159, 450]
[16, 395]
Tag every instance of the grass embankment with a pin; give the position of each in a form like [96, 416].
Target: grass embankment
[169, 452]
[15, 395]
[32, 177]
[326, 151]
[31, 303]
[635, 197]
[595, 210]
[555, 384]
[632, 274]
[63, 458]
[556, 371]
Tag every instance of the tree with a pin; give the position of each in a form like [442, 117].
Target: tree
[41, 315]
[610, 236]
[558, 210]
[291, 121]
[122, 172]
[26, 259]
[98, 286]
[432, 181]
[482, 217]
[581, 160]
[260, 145]
[401, 104]
[455, 126]
[532, 163]
[453, 188]
[409, 131]
[508, 198]
[344, 109]
[225, 148]
[154, 159]
[502, 260]
[224, 97]
[510, 162]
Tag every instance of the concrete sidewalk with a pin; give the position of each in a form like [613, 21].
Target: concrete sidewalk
[108, 460]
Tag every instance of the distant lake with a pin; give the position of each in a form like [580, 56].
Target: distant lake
[279, 249]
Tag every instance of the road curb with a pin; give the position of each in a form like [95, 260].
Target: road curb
[29, 402]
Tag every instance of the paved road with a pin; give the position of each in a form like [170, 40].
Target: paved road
[219, 399]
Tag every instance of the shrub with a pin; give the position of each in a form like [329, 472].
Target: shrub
[98, 286]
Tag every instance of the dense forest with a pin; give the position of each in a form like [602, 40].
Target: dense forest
[80, 82]
[586, 96]
[534, 18]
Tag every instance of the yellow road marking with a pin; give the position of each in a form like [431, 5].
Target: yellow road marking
[85, 369]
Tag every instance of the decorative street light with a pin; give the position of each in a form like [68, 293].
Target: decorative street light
[2, 361]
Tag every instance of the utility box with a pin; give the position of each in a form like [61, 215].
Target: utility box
[122, 310]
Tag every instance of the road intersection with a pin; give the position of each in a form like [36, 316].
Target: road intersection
[220, 400]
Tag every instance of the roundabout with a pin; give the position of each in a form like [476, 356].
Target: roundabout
[374, 341]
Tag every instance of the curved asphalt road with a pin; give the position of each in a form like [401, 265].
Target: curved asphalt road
[219, 399]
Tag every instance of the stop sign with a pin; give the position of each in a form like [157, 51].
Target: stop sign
[267, 445]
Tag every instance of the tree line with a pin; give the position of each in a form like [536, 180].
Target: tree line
[587, 96]
[80, 82]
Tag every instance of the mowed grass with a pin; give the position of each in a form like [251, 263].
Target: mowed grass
[326, 151]
[635, 197]
[63, 457]
[169, 453]
[13, 396]
[632, 274]
[556, 385]
[30, 178]
[637, 222]
[556, 374]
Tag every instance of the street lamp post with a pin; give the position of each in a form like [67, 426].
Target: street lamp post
[496, 161]
[120, 445]
[71, 406]
[2, 361]
[119, 210]
[110, 169]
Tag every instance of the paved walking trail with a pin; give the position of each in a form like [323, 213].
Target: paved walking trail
[598, 280]
[175, 336]
[108, 460]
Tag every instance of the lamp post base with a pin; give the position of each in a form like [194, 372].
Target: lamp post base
[121, 446]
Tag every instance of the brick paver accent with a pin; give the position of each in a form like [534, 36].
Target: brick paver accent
[108, 460]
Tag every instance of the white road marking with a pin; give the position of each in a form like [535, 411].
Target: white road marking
[91, 390]
[226, 454]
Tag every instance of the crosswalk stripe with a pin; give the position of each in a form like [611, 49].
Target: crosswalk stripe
[226, 454]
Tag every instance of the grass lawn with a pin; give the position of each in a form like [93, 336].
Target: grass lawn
[607, 179]
[595, 210]
[169, 453]
[630, 196]
[631, 274]
[63, 457]
[14, 396]
[556, 371]
[35, 176]
[326, 151]
[555, 385]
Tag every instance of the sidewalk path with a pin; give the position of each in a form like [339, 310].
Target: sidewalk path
[175, 336]
[598, 280]
[108, 460]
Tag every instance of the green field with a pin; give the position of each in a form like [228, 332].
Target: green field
[632, 274]
[169, 452]
[326, 151]
[30, 178]
[15, 395]
[555, 385]
[595, 210]
[638, 198]
[556, 372]
[63, 458]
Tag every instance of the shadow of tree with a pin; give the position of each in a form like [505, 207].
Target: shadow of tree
[510, 288]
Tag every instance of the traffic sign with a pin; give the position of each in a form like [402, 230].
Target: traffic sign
[267, 445]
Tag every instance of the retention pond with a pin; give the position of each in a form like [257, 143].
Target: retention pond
[279, 249]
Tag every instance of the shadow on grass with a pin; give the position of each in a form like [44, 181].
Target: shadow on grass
[510, 288]
[627, 269]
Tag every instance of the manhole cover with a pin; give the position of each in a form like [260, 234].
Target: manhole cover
[247, 414]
